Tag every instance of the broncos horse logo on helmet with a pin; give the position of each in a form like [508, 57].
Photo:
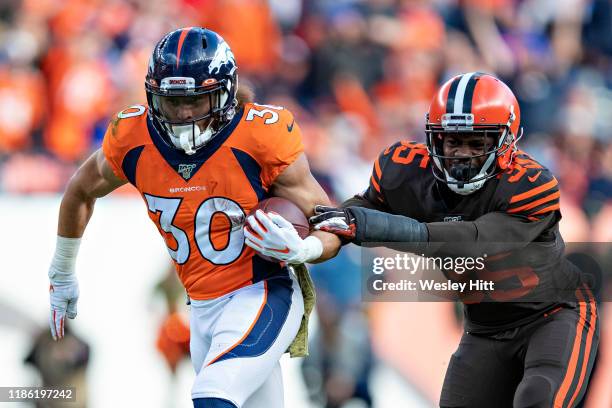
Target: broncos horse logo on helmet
[475, 104]
[191, 87]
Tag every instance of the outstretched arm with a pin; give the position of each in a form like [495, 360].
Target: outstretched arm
[497, 231]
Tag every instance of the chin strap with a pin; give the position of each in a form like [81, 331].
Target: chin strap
[466, 188]
[185, 143]
[190, 138]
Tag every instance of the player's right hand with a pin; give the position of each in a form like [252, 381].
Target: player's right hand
[63, 295]
[339, 221]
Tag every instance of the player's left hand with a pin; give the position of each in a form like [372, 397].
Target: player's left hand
[338, 221]
[272, 235]
[63, 295]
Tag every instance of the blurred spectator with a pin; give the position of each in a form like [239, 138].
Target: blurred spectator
[173, 335]
[22, 97]
[61, 364]
[248, 26]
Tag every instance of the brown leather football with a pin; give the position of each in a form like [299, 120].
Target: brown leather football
[288, 211]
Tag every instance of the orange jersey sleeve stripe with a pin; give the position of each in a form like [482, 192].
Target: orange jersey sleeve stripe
[529, 206]
[377, 169]
[547, 209]
[375, 183]
[261, 308]
[589, 342]
[520, 197]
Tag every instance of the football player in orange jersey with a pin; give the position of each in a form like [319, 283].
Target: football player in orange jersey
[202, 156]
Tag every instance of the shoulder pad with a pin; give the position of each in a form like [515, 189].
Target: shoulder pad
[397, 162]
[126, 120]
[270, 116]
[272, 138]
[533, 190]
[409, 153]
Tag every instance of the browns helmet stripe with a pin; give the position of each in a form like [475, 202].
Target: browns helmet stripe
[460, 95]
[461, 92]
[469, 92]
[452, 91]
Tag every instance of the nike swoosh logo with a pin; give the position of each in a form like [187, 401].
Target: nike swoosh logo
[290, 127]
[535, 177]
[282, 251]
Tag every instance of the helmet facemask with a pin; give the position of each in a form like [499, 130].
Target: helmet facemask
[209, 107]
[461, 173]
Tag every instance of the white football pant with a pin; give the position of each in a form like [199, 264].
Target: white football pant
[238, 339]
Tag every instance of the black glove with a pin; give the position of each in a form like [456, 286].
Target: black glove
[338, 221]
[360, 225]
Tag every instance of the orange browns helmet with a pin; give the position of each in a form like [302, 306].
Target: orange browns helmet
[473, 103]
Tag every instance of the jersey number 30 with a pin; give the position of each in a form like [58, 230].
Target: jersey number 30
[168, 208]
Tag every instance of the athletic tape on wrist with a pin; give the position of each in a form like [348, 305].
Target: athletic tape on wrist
[314, 248]
[64, 258]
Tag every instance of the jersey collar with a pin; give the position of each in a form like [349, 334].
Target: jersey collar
[181, 161]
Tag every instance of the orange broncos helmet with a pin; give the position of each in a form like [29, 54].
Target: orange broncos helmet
[473, 103]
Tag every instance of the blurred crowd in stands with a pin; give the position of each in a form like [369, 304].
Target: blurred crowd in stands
[358, 74]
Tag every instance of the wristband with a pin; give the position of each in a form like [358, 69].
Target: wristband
[64, 258]
[313, 248]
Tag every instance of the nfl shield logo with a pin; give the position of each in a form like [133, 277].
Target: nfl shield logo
[185, 170]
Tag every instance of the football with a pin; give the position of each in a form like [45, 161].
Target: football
[288, 211]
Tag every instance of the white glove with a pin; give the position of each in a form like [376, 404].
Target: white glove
[64, 287]
[64, 297]
[272, 235]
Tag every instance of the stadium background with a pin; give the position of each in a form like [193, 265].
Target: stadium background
[358, 75]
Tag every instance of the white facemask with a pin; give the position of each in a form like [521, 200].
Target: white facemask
[467, 188]
[189, 138]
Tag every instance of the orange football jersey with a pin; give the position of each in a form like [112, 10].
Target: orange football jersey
[199, 202]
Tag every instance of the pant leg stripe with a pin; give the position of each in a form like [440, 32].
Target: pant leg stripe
[589, 341]
[268, 324]
[261, 308]
[573, 361]
[584, 326]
